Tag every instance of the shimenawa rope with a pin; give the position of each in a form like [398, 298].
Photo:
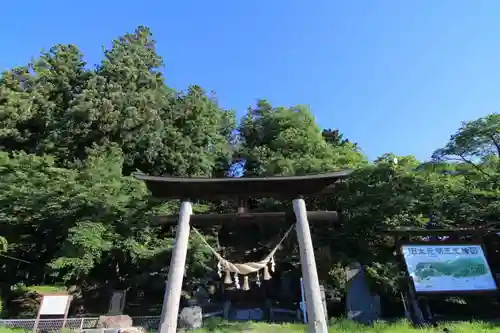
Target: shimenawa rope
[246, 268]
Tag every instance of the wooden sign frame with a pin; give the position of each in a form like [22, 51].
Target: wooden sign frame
[446, 292]
[459, 235]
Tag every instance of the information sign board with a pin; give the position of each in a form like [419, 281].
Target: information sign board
[448, 268]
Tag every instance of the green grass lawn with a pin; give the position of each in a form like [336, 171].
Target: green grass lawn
[345, 326]
[341, 326]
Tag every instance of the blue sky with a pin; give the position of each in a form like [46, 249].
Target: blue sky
[394, 76]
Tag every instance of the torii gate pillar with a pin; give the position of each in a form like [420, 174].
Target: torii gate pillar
[173, 287]
[316, 318]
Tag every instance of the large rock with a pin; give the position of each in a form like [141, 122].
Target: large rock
[135, 329]
[121, 321]
[191, 317]
[113, 330]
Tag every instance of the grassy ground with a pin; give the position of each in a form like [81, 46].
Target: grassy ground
[214, 326]
[345, 326]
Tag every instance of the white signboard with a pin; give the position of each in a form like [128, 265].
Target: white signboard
[448, 268]
[54, 305]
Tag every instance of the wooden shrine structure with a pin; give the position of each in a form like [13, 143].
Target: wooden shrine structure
[241, 189]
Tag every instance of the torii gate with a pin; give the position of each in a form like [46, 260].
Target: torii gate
[294, 188]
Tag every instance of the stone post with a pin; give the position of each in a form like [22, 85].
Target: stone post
[316, 320]
[173, 288]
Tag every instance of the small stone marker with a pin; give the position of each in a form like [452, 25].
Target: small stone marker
[361, 304]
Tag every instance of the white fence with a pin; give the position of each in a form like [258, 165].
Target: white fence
[148, 322]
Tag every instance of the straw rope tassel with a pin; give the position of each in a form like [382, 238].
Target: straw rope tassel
[267, 276]
[246, 285]
[227, 279]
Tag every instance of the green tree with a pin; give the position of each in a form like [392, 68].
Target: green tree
[475, 151]
[160, 131]
[287, 141]
[36, 212]
[199, 139]
[392, 193]
[475, 142]
[55, 106]
[120, 103]
[34, 99]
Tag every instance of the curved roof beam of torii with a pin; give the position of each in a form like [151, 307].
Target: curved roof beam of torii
[169, 188]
